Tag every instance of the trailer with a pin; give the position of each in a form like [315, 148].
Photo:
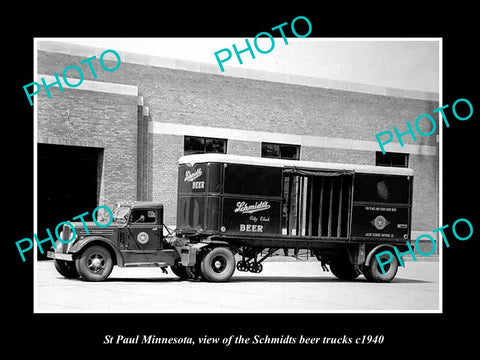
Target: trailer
[233, 212]
[342, 214]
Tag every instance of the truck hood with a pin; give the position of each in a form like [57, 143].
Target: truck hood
[93, 229]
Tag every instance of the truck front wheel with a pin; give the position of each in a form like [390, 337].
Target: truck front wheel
[373, 272]
[218, 264]
[95, 263]
[66, 268]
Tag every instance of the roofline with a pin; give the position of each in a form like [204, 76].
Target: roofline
[62, 46]
[283, 163]
[147, 204]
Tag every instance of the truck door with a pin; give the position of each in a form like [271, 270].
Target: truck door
[144, 230]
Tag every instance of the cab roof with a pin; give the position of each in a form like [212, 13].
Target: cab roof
[142, 204]
[147, 204]
[293, 164]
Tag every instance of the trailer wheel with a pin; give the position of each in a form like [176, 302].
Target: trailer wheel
[95, 263]
[218, 264]
[374, 273]
[66, 268]
[344, 270]
[242, 265]
[255, 267]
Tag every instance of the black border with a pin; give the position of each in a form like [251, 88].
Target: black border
[406, 334]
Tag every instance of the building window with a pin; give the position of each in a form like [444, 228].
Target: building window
[201, 145]
[280, 151]
[391, 159]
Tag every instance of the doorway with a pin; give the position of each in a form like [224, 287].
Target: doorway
[68, 184]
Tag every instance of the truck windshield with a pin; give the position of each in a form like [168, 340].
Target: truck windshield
[121, 213]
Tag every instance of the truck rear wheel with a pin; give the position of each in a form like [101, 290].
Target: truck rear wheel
[344, 270]
[66, 268]
[180, 271]
[95, 263]
[218, 264]
[374, 273]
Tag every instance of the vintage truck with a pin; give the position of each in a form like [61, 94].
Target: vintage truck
[233, 212]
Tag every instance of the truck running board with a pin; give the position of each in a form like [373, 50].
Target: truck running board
[147, 264]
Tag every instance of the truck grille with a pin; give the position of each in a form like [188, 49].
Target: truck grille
[95, 231]
[66, 233]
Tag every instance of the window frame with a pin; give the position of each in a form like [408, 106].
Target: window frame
[204, 139]
[390, 156]
[280, 145]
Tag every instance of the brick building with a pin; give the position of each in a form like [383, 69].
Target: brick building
[119, 136]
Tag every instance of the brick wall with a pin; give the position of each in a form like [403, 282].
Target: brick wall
[187, 97]
[85, 118]
[191, 98]
[167, 149]
[144, 148]
[425, 192]
[245, 148]
[337, 155]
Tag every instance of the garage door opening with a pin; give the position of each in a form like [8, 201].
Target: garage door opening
[68, 184]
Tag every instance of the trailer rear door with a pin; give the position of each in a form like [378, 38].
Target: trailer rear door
[382, 207]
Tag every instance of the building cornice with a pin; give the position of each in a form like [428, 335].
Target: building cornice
[241, 72]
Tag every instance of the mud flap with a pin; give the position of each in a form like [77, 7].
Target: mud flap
[188, 254]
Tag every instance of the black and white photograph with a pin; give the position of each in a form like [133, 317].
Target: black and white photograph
[249, 190]
[279, 183]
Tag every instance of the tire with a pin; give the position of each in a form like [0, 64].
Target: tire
[180, 271]
[197, 270]
[66, 268]
[374, 273]
[344, 270]
[218, 264]
[95, 263]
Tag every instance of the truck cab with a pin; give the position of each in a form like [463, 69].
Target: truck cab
[133, 238]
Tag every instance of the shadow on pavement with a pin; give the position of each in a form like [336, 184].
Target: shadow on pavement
[266, 279]
[319, 280]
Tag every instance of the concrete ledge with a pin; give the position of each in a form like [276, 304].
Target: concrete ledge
[157, 127]
[243, 72]
[89, 85]
[67, 141]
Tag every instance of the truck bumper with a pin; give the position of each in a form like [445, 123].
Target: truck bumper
[59, 256]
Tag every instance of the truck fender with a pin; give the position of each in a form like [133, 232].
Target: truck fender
[188, 254]
[99, 240]
[372, 252]
[215, 241]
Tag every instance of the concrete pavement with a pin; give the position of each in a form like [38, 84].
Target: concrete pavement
[283, 286]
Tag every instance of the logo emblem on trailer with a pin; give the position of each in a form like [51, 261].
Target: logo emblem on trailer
[380, 222]
[142, 237]
[190, 176]
[244, 208]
